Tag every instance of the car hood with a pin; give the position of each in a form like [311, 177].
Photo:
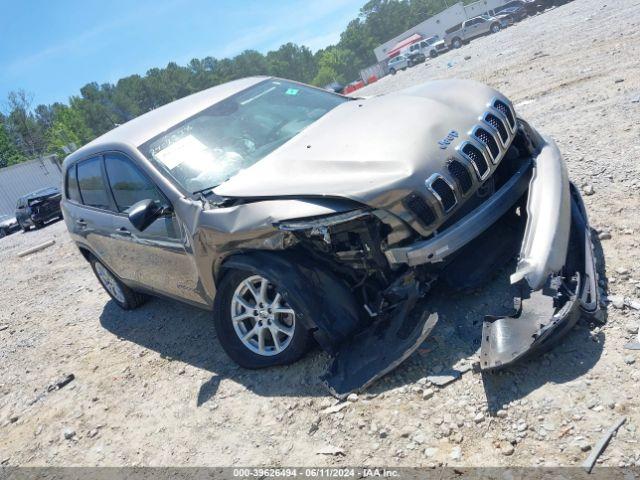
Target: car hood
[372, 150]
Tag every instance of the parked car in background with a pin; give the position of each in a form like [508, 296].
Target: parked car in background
[8, 225]
[416, 57]
[432, 46]
[37, 208]
[517, 9]
[539, 6]
[334, 87]
[505, 19]
[463, 32]
[399, 62]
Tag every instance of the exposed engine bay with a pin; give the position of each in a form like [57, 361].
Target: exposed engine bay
[363, 248]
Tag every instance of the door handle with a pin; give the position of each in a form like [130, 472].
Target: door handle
[81, 222]
[123, 231]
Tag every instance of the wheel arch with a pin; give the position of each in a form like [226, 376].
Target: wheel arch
[86, 253]
[322, 301]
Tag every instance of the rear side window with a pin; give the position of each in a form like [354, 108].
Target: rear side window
[73, 192]
[454, 28]
[91, 184]
[128, 184]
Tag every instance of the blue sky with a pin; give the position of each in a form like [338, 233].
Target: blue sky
[52, 48]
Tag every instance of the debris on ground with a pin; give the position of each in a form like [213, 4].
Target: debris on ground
[35, 249]
[444, 379]
[601, 445]
[335, 408]
[331, 450]
[61, 382]
[616, 301]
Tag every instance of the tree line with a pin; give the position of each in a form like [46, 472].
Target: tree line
[28, 131]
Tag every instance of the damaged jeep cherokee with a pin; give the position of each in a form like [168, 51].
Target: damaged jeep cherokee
[301, 217]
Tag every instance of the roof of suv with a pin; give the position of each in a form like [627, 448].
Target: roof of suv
[137, 131]
[40, 193]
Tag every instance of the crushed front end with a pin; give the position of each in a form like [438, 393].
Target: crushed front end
[502, 194]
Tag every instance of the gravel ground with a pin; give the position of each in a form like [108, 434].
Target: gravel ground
[152, 387]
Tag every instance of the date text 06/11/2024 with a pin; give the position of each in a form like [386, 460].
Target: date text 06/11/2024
[314, 472]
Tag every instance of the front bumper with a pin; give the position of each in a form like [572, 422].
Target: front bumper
[543, 316]
[556, 276]
[554, 284]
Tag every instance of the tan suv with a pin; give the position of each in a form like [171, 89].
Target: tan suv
[298, 217]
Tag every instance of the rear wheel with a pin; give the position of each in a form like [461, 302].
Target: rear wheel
[256, 326]
[24, 228]
[126, 298]
[39, 225]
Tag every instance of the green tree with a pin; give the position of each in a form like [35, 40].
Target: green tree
[293, 62]
[9, 153]
[335, 65]
[68, 127]
[22, 126]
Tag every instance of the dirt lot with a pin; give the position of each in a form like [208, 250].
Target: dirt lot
[152, 387]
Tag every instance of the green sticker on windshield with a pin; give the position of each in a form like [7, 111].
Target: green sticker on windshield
[291, 91]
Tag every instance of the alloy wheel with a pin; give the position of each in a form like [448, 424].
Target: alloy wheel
[261, 317]
[109, 282]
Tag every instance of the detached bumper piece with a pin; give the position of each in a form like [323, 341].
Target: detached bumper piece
[373, 353]
[543, 316]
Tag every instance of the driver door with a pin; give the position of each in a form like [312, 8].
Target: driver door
[156, 258]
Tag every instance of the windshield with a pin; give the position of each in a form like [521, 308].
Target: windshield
[212, 146]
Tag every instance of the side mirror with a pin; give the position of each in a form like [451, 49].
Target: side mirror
[145, 212]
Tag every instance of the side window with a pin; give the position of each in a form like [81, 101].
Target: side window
[73, 192]
[91, 184]
[454, 28]
[128, 184]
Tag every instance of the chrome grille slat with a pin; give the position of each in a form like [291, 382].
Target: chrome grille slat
[475, 160]
[477, 156]
[460, 172]
[444, 191]
[507, 110]
[499, 126]
[489, 140]
[420, 208]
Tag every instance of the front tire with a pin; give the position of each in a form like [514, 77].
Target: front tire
[122, 295]
[495, 28]
[256, 326]
[433, 54]
[392, 71]
[456, 42]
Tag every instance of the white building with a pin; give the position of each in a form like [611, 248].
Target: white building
[437, 24]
